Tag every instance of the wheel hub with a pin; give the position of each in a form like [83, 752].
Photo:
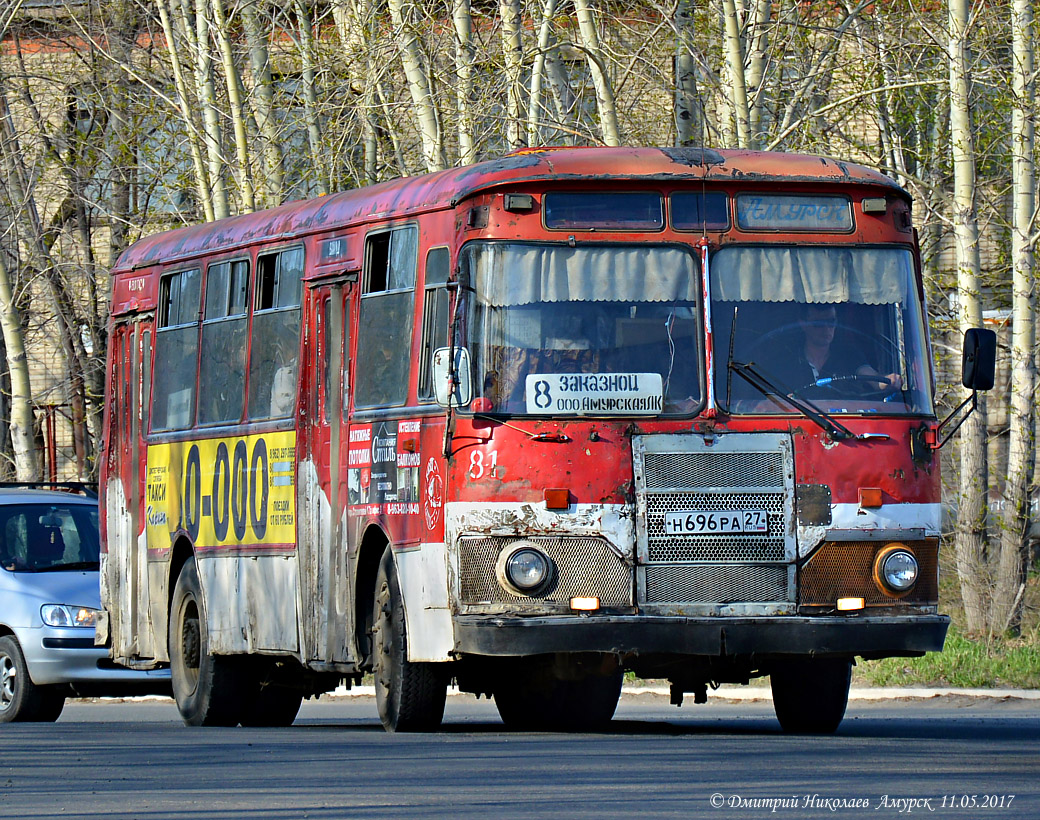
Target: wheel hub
[8, 681]
[191, 643]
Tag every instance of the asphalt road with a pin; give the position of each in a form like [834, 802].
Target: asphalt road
[722, 760]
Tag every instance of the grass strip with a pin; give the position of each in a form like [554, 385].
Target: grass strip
[964, 663]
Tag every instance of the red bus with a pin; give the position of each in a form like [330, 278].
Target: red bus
[525, 426]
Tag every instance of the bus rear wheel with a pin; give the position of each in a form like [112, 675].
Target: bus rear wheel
[810, 694]
[207, 688]
[410, 696]
[533, 698]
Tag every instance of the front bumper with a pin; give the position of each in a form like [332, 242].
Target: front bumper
[56, 656]
[868, 637]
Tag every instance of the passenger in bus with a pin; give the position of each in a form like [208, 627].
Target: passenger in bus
[815, 355]
[283, 391]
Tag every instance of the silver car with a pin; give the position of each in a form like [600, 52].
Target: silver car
[49, 600]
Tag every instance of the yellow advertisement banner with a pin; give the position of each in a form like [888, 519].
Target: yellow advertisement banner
[226, 493]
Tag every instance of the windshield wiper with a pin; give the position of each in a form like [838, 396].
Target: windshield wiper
[749, 373]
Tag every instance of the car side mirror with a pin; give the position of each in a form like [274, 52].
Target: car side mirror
[454, 381]
[979, 359]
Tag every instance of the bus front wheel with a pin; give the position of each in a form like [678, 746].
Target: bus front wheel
[410, 696]
[810, 694]
[206, 687]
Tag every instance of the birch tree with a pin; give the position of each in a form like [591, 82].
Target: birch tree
[513, 62]
[263, 101]
[402, 13]
[198, 36]
[587, 29]
[1008, 582]
[26, 456]
[187, 110]
[233, 82]
[462, 21]
[970, 538]
[689, 109]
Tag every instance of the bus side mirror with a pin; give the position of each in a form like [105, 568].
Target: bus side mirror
[978, 367]
[454, 381]
[979, 359]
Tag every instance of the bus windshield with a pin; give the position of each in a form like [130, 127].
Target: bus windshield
[595, 330]
[838, 327]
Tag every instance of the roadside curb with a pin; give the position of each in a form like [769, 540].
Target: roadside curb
[726, 692]
[753, 693]
[856, 693]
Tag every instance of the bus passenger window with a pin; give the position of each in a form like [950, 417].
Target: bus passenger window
[385, 321]
[435, 317]
[223, 367]
[176, 351]
[274, 347]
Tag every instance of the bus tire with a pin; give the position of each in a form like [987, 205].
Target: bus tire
[409, 696]
[21, 700]
[532, 699]
[810, 694]
[207, 688]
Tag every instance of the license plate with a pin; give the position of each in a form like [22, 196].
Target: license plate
[715, 522]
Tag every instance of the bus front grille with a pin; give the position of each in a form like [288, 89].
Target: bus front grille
[731, 474]
[715, 583]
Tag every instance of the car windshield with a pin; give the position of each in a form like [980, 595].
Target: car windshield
[840, 328]
[47, 537]
[587, 330]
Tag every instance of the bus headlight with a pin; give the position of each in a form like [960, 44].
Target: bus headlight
[896, 569]
[524, 568]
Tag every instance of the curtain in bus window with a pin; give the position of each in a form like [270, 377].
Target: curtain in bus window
[528, 274]
[871, 276]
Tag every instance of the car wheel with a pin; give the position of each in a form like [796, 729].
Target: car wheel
[21, 699]
[810, 695]
[410, 696]
[207, 688]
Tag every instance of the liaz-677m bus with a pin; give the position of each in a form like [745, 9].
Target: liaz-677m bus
[522, 427]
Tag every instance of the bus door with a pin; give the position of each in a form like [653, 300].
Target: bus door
[327, 613]
[128, 551]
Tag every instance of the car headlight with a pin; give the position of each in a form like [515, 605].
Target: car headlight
[524, 568]
[62, 615]
[896, 569]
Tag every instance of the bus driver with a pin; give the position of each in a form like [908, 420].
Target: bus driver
[815, 356]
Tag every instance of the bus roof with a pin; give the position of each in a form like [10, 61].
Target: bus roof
[444, 189]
